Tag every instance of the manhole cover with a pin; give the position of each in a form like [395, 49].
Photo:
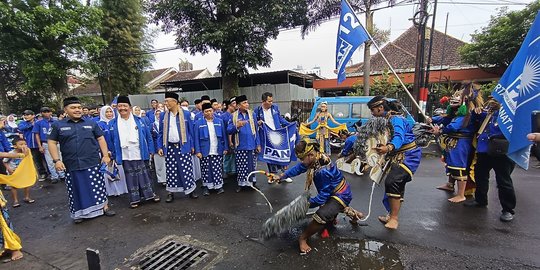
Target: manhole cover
[173, 255]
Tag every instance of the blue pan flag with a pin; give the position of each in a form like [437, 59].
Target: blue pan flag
[518, 92]
[278, 145]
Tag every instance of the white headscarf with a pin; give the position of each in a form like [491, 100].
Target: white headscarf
[11, 124]
[102, 112]
[140, 111]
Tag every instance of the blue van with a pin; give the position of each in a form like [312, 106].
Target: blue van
[349, 110]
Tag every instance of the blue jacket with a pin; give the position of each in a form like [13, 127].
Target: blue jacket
[492, 130]
[329, 183]
[106, 134]
[186, 147]
[202, 137]
[349, 143]
[404, 135]
[247, 140]
[25, 128]
[5, 146]
[279, 121]
[145, 140]
[43, 127]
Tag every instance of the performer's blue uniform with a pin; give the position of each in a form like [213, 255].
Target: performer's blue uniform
[405, 158]
[457, 143]
[334, 193]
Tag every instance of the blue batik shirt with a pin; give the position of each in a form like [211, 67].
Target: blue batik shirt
[78, 140]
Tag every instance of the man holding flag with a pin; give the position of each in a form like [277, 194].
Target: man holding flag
[518, 93]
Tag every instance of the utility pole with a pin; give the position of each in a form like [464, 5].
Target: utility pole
[420, 20]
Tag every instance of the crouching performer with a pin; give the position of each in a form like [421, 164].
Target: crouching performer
[401, 151]
[334, 193]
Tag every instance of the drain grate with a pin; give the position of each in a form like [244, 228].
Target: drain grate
[172, 255]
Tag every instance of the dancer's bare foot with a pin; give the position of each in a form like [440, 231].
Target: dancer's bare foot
[447, 187]
[304, 247]
[384, 219]
[15, 255]
[392, 223]
[457, 199]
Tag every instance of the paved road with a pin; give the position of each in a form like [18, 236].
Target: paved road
[433, 233]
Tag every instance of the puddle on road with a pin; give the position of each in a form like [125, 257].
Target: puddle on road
[360, 254]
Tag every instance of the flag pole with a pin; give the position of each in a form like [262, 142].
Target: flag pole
[391, 68]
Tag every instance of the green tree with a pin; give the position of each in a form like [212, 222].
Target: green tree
[323, 10]
[48, 38]
[385, 85]
[123, 61]
[239, 30]
[497, 44]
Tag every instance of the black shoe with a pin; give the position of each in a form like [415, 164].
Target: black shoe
[78, 221]
[254, 184]
[54, 181]
[221, 190]
[238, 189]
[193, 195]
[63, 179]
[109, 213]
[205, 192]
[170, 198]
[506, 217]
[474, 203]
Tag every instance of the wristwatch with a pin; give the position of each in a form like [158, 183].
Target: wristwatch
[55, 160]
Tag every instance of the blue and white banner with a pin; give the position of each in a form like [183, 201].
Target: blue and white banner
[278, 145]
[519, 93]
[351, 34]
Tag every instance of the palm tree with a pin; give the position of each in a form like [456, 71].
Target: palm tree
[322, 10]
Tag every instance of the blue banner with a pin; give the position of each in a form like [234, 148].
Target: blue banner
[277, 146]
[351, 34]
[519, 93]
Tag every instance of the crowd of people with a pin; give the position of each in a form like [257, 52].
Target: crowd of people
[122, 149]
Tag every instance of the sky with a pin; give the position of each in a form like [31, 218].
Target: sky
[318, 48]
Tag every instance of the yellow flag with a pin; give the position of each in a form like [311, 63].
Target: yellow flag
[24, 176]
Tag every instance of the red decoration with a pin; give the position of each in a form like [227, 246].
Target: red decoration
[444, 100]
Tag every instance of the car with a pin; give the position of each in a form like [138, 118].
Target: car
[349, 110]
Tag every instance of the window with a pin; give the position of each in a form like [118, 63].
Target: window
[360, 110]
[339, 111]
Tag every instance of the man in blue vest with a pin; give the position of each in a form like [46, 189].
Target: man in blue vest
[244, 125]
[211, 144]
[268, 113]
[131, 147]
[176, 144]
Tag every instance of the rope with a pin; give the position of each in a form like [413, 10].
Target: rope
[370, 200]
[250, 184]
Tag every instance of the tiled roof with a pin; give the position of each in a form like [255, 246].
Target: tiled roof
[152, 74]
[185, 75]
[87, 88]
[401, 52]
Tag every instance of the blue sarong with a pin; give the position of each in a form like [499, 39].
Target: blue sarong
[86, 193]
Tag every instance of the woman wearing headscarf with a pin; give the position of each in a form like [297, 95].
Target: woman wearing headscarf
[11, 124]
[115, 186]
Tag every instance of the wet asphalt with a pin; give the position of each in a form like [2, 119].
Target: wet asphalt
[433, 233]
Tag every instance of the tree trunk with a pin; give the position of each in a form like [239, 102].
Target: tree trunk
[367, 52]
[4, 108]
[229, 82]
[230, 85]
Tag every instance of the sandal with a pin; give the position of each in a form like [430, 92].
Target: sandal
[15, 205]
[29, 201]
[157, 199]
[133, 205]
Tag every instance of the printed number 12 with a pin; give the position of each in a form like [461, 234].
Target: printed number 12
[354, 23]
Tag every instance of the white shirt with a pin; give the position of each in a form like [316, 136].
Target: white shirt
[174, 136]
[129, 138]
[213, 138]
[268, 119]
